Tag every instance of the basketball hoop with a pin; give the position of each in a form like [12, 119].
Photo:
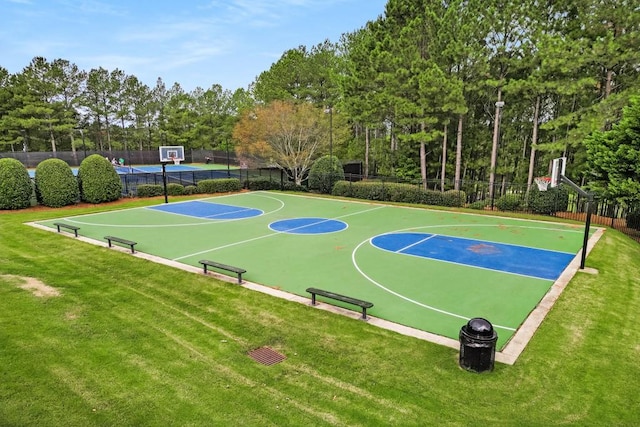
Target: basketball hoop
[542, 182]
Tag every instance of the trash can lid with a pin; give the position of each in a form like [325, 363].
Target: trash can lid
[480, 326]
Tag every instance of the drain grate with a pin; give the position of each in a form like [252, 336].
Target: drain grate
[266, 356]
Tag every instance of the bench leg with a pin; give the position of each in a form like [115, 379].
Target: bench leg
[75, 232]
[133, 251]
[364, 313]
[313, 299]
[58, 227]
[205, 268]
[109, 240]
[240, 278]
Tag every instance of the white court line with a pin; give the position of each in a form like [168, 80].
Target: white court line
[69, 219]
[268, 235]
[415, 244]
[234, 212]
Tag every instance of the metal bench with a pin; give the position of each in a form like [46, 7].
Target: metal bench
[239, 271]
[126, 242]
[328, 294]
[70, 227]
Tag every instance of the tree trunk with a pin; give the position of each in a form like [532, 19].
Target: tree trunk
[423, 164]
[444, 158]
[367, 143]
[534, 141]
[456, 184]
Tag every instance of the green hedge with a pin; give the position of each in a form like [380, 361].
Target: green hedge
[55, 184]
[548, 202]
[261, 184]
[225, 185]
[99, 181]
[175, 189]
[190, 189]
[15, 185]
[150, 190]
[454, 198]
[510, 202]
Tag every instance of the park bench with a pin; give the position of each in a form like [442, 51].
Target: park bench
[332, 295]
[70, 227]
[239, 271]
[126, 242]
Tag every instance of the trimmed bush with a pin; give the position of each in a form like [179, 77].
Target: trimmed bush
[478, 204]
[258, 184]
[15, 185]
[190, 189]
[324, 173]
[454, 198]
[175, 189]
[226, 185]
[404, 193]
[433, 198]
[292, 186]
[633, 220]
[55, 184]
[99, 181]
[548, 202]
[151, 190]
[370, 190]
[509, 202]
[343, 188]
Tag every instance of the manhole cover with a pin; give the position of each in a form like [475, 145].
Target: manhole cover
[266, 356]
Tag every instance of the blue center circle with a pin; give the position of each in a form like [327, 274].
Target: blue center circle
[308, 226]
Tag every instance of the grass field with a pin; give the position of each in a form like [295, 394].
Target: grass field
[131, 342]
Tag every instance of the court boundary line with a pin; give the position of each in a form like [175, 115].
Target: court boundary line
[508, 355]
[510, 351]
[70, 218]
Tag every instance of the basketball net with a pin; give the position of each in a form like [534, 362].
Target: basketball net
[542, 182]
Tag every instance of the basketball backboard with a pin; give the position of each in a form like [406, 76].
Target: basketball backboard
[558, 168]
[171, 153]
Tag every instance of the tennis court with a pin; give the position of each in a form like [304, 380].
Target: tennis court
[425, 269]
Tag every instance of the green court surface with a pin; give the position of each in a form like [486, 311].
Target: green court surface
[429, 270]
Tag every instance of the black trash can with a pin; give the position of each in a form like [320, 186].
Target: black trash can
[478, 345]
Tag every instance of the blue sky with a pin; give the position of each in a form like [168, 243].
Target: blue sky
[192, 42]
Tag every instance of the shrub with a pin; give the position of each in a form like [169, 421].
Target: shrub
[478, 204]
[226, 185]
[404, 193]
[99, 181]
[369, 190]
[343, 188]
[175, 189]
[454, 198]
[633, 220]
[190, 189]
[548, 202]
[433, 198]
[258, 184]
[55, 184]
[15, 185]
[509, 202]
[292, 186]
[150, 190]
[324, 173]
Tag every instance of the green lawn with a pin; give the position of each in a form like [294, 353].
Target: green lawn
[131, 342]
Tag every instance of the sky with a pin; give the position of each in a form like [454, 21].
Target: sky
[196, 43]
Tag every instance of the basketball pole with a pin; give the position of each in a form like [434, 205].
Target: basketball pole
[587, 222]
[164, 182]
